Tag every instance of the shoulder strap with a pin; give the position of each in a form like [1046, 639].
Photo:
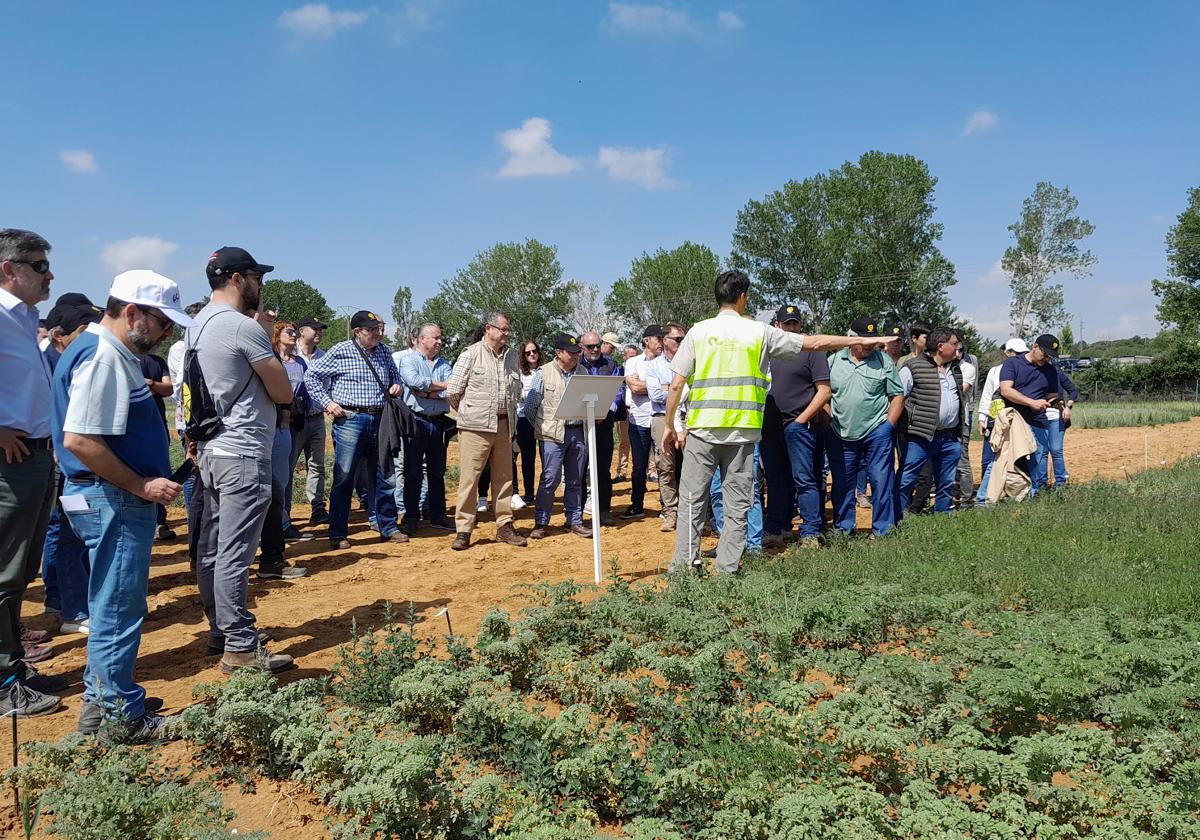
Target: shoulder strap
[367, 359]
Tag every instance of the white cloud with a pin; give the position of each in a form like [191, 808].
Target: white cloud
[647, 19]
[981, 120]
[731, 20]
[79, 160]
[317, 20]
[137, 252]
[994, 324]
[530, 152]
[996, 277]
[647, 167]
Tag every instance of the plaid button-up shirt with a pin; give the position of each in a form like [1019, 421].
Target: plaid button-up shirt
[342, 376]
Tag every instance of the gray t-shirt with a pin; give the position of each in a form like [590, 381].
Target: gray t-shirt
[226, 348]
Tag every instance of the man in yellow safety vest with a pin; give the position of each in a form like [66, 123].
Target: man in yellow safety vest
[725, 361]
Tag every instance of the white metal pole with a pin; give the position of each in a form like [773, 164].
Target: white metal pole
[593, 481]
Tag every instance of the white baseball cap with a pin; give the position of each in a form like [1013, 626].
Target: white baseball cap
[1016, 345]
[149, 288]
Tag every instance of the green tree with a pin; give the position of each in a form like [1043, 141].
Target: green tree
[796, 246]
[1066, 337]
[295, 299]
[675, 285]
[1046, 244]
[897, 273]
[404, 317]
[523, 280]
[1179, 298]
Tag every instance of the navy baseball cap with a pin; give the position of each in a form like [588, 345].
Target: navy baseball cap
[866, 327]
[311, 322]
[1049, 344]
[786, 313]
[365, 318]
[230, 260]
[73, 299]
[568, 342]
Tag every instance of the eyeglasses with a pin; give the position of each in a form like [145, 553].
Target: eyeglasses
[36, 266]
[164, 323]
[591, 347]
[500, 328]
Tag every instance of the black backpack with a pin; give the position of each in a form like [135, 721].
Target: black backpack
[201, 418]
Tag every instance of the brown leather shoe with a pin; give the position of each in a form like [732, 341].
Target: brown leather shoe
[505, 533]
[30, 636]
[538, 533]
[461, 542]
[35, 653]
[397, 537]
[273, 662]
[581, 531]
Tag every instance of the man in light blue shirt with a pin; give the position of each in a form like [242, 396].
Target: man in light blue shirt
[668, 459]
[424, 374]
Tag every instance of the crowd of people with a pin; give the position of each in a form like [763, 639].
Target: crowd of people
[702, 412]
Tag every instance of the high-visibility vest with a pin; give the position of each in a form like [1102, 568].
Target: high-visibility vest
[728, 386]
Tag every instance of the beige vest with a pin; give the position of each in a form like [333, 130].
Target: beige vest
[554, 384]
[491, 383]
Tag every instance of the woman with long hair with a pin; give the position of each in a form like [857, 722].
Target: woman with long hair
[531, 359]
[283, 339]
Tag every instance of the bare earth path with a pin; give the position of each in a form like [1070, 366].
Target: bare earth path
[310, 617]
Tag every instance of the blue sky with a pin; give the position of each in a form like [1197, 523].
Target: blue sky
[366, 145]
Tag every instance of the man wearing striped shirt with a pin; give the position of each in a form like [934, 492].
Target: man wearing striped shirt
[344, 383]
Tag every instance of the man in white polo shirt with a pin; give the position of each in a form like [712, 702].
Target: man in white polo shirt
[641, 418]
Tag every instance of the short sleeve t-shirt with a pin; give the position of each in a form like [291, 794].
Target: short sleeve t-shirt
[1030, 380]
[99, 389]
[862, 392]
[641, 410]
[793, 386]
[155, 369]
[227, 343]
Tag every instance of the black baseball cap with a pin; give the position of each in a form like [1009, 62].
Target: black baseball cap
[866, 327]
[231, 259]
[568, 342]
[786, 313]
[1049, 344]
[73, 299]
[69, 317]
[895, 330]
[311, 322]
[653, 331]
[364, 318]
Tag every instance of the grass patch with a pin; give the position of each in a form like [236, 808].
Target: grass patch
[1099, 415]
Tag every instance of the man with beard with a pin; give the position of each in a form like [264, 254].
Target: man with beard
[247, 381]
[112, 444]
[596, 362]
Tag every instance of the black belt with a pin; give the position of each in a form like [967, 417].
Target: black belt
[84, 478]
[358, 409]
[37, 443]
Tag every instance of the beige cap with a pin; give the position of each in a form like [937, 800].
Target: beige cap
[611, 338]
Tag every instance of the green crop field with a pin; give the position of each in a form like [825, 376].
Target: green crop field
[1022, 671]
[1100, 415]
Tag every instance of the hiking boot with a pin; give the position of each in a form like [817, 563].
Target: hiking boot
[43, 682]
[216, 644]
[339, 543]
[461, 542]
[34, 637]
[279, 571]
[20, 700]
[668, 523]
[862, 501]
[319, 516]
[538, 532]
[148, 729]
[581, 530]
[633, 513]
[92, 714]
[294, 534]
[395, 537]
[35, 653]
[506, 534]
[273, 662]
[810, 542]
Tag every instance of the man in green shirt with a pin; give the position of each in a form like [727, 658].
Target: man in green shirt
[868, 399]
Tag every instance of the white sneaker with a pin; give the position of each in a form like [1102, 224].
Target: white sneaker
[517, 502]
[74, 627]
[481, 506]
[587, 507]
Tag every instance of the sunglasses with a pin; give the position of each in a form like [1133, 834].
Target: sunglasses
[591, 347]
[289, 332]
[37, 266]
[532, 353]
[674, 337]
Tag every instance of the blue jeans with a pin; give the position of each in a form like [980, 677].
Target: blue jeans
[988, 458]
[872, 454]
[65, 568]
[424, 457]
[804, 454]
[943, 452]
[1036, 463]
[781, 493]
[1057, 433]
[281, 472]
[118, 529]
[355, 443]
[189, 486]
[754, 519]
[640, 446]
[569, 457]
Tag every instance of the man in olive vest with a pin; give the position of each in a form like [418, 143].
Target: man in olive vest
[725, 361]
[564, 448]
[936, 414]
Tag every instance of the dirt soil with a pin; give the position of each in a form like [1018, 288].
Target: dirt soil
[310, 617]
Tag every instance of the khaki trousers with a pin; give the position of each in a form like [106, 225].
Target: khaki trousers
[476, 449]
[664, 462]
[623, 447]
